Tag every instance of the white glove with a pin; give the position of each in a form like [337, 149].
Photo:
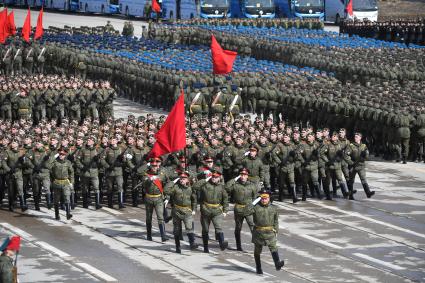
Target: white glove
[224, 214]
[193, 212]
[246, 153]
[237, 178]
[208, 179]
[56, 155]
[129, 156]
[257, 200]
[166, 202]
[176, 180]
[148, 164]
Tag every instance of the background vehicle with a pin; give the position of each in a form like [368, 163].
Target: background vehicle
[98, 6]
[336, 10]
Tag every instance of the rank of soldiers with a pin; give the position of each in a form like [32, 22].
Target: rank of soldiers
[403, 31]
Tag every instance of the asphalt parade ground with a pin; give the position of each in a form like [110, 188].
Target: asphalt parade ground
[381, 239]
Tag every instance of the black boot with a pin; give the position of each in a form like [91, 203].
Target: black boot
[120, 200]
[72, 201]
[222, 242]
[22, 203]
[280, 194]
[368, 192]
[343, 189]
[294, 194]
[167, 217]
[318, 191]
[149, 232]
[68, 211]
[37, 202]
[57, 216]
[351, 192]
[85, 200]
[110, 205]
[48, 201]
[277, 262]
[326, 191]
[135, 196]
[11, 203]
[404, 160]
[97, 199]
[312, 191]
[205, 242]
[177, 240]
[238, 241]
[258, 264]
[164, 238]
[304, 195]
[193, 245]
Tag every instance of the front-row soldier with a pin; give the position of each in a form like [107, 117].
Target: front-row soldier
[242, 191]
[266, 227]
[214, 206]
[153, 184]
[62, 173]
[183, 200]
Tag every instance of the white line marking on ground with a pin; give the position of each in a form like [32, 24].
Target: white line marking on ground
[383, 263]
[96, 272]
[113, 211]
[52, 249]
[17, 231]
[356, 214]
[321, 242]
[246, 266]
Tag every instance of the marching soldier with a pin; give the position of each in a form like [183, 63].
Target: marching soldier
[62, 173]
[285, 155]
[87, 161]
[358, 153]
[113, 161]
[153, 189]
[13, 163]
[183, 200]
[309, 156]
[214, 207]
[41, 177]
[266, 228]
[242, 191]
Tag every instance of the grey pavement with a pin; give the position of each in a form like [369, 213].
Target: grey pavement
[381, 239]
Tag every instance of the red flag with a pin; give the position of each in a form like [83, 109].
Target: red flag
[222, 59]
[14, 243]
[26, 28]
[172, 135]
[155, 6]
[3, 26]
[39, 29]
[349, 8]
[11, 23]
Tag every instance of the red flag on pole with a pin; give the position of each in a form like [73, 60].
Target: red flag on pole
[155, 6]
[26, 29]
[349, 8]
[222, 59]
[11, 23]
[39, 29]
[3, 26]
[172, 135]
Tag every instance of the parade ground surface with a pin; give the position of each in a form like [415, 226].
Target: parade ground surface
[381, 239]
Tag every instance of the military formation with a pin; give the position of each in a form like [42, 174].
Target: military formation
[403, 31]
[69, 164]
[311, 129]
[39, 98]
